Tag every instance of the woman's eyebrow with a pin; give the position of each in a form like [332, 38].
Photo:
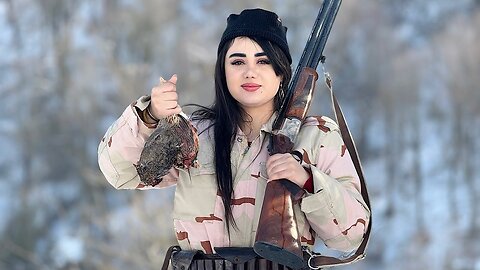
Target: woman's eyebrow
[237, 55]
[244, 55]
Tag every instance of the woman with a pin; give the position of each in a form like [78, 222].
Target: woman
[217, 203]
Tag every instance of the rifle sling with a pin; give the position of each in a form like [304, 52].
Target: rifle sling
[320, 260]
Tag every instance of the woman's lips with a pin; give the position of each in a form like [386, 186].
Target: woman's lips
[250, 87]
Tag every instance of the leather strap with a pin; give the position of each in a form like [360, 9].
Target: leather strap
[182, 260]
[237, 255]
[168, 256]
[317, 261]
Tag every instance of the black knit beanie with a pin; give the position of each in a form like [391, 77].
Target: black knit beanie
[257, 23]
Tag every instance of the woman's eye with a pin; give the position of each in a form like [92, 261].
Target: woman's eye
[264, 61]
[237, 62]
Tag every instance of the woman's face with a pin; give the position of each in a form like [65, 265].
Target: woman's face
[251, 79]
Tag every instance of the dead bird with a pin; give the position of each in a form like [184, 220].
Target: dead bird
[174, 143]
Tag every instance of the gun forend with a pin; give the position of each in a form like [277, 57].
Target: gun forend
[303, 93]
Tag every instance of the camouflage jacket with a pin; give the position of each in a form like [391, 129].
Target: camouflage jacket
[334, 213]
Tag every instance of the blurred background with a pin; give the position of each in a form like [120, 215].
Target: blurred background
[407, 74]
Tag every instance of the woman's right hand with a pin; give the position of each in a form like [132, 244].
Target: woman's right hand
[164, 98]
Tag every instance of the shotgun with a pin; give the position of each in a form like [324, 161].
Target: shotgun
[277, 237]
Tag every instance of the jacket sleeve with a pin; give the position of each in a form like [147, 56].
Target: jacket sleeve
[120, 149]
[336, 210]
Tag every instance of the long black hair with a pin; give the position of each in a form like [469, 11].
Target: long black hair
[227, 115]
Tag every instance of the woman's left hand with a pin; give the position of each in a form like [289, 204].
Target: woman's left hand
[284, 166]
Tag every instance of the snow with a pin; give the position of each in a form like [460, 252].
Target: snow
[68, 249]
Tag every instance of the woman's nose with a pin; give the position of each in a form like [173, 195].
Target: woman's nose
[250, 71]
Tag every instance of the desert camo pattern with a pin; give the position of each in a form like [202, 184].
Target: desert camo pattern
[334, 213]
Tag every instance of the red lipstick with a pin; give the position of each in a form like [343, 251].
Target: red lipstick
[250, 87]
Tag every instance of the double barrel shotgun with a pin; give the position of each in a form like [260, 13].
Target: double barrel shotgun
[277, 236]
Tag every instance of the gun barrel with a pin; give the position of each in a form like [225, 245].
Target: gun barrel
[313, 51]
[326, 28]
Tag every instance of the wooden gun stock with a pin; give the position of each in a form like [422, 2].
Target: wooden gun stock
[278, 238]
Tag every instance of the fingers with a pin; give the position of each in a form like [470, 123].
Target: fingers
[277, 165]
[176, 110]
[164, 98]
[172, 79]
[169, 96]
[284, 166]
[166, 86]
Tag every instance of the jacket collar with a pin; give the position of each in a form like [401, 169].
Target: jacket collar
[267, 127]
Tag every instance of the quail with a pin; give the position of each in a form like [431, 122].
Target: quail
[174, 143]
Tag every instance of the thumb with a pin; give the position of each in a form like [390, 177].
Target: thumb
[173, 79]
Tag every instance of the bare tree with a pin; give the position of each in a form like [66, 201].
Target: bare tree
[460, 53]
